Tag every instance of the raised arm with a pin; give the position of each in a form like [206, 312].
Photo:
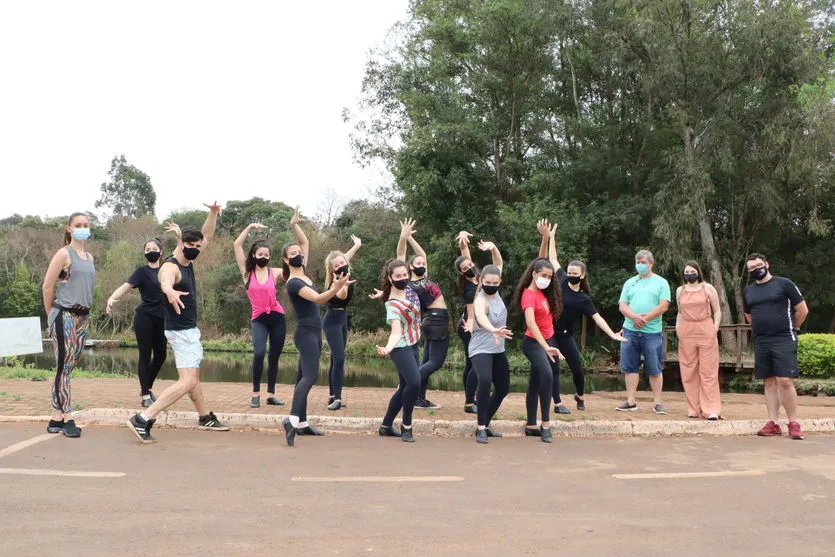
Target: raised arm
[494, 252]
[240, 256]
[60, 261]
[552, 246]
[354, 249]
[301, 237]
[406, 230]
[210, 225]
[463, 240]
[114, 298]
[542, 227]
[418, 250]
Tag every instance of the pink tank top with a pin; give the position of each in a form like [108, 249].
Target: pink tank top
[262, 295]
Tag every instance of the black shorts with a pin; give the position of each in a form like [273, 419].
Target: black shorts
[775, 358]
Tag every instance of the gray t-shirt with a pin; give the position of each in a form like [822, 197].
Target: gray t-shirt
[75, 286]
[483, 341]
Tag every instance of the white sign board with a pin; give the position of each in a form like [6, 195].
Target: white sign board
[20, 335]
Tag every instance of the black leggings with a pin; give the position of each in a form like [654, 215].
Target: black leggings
[435, 325]
[150, 338]
[541, 381]
[491, 369]
[406, 394]
[274, 327]
[308, 341]
[335, 326]
[569, 349]
[470, 381]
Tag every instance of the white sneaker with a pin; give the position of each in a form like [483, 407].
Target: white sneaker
[713, 417]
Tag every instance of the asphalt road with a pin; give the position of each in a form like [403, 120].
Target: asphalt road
[225, 494]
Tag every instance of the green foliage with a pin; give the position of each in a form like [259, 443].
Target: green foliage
[21, 296]
[816, 355]
[129, 191]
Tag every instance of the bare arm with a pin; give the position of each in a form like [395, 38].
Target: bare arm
[530, 321]
[678, 313]
[169, 275]
[464, 244]
[657, 311]
[406, 228]
[606, 328]
[415, 246]
[748, 318]
[801, 312]
[321, 297]
[60, 261]
[301, 237]
[495, 254]
[552, 247]
[542, 227]
[354, 249]
[713, 296]
[210, 225]
[114, 298]
[240, 256]
[394, 338]
[480, 311]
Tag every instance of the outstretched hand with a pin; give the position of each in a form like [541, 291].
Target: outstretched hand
[376, 295]
[552, 230]
[552, 352]
[296, 219]
[213, 208]
[174, 299]
[543, 227]
[382, 351]
[407, 227]
[342, 280]
[486, 246]
[463, 237]
[257, 226]
[502, 333]
[356, 240]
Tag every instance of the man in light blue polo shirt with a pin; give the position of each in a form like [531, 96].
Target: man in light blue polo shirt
[643, 301]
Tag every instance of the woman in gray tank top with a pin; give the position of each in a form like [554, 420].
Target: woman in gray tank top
[487, 351]
[73, 271]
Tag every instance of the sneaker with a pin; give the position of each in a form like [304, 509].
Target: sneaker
[141, 428]
[481, 436]
[72, 430]
[335, 405]
[55, 426]
[289, 431]
[147, 402]
[581, 404]
[153, 396]
[491, 433]
[531, 432]
[561, 409]
[794, 431]
[210, 422]
[626, 407]
[425, 403]
[255, 402]
[713, 417]
[388, 431]
[770, 429]
[659, 409]
[310, 430]
[406, 435]
[471, 409]
[273, 401]
[545, 433]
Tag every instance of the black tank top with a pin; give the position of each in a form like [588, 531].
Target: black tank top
[187, 319]
[338, 303]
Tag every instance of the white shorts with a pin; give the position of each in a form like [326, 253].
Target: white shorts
[188, 352]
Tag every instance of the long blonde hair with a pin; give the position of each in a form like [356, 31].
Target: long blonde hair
[328, 270]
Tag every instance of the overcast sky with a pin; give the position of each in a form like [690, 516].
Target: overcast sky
[214, 100]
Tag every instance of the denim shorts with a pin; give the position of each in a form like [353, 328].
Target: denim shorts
[188, 352]
[651, 345]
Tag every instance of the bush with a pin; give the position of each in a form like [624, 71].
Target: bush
[816, 355]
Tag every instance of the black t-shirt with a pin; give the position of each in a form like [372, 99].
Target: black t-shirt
[427, 292]
[307, 312]
[469, 293]
[771, 305]
[575, 305]
[338, 303]
[146, 279]
[187, 319]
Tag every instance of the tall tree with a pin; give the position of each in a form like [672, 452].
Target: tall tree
[128, 192]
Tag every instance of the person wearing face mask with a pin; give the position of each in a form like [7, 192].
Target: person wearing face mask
[487, 350]
[335, 323]
[776, 310]
[577, 302]
[697, 324]
[403, 316]
[178, 285]
[643, 300]
[267, 319]
[468, 280]
[434, 314]
[541, 301]
[72, 273]
[149, 317]
[308, 334]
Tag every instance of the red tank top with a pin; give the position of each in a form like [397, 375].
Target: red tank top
[262, 295]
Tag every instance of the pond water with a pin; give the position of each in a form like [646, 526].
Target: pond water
[359, 372]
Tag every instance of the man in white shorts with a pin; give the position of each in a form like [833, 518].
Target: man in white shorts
[176, 277]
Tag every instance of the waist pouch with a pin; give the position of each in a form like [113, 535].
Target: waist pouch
[435, 324]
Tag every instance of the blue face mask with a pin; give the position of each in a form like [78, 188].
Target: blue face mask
[81, 234]
[642, 268]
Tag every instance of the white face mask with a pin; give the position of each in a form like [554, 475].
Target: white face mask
[542, 283]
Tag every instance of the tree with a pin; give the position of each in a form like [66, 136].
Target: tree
[128, 192]
[21, 297]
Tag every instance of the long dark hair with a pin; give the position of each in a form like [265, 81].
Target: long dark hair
[695, 265]
[68, 235]
[385, 276]
[285, 268]
[584, 283]
[250, 264]
[552, 293]
[462, 280]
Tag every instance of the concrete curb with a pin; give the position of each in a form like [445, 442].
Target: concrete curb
[446, 428]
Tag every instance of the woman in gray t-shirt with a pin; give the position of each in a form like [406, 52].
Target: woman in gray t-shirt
[487, 351]
[73, 271]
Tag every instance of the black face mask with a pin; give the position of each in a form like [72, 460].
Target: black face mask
[400, 284]
[470, 273]
[574, 280]
[296, 261]
[419, 271]
[262, 261]
[152, 256]
[489, 290]
[341, 271]
[691, 277]
[759, 274]
[191, 253]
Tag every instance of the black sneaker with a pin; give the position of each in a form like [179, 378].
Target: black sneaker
[255, 402]
[581, 404]
[481, 436]
[210, 422]
[273, 401]
[289, 431]
[310, 430]
[71, 430]
[406, 435]
[425, 403]
[626, 407]
[545, 433]
[531, 432]
[55, 426]
[141, 428]
[388, 431]
[561, 409]
[471, 409]
[335, 405]
[491, 433]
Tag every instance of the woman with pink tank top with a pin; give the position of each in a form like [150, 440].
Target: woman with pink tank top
[697, 324]
[268, 320]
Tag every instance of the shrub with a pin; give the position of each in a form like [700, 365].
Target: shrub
[816, 355]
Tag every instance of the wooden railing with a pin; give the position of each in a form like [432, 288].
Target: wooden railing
[734, 343]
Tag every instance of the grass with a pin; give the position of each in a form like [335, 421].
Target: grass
[34, 374]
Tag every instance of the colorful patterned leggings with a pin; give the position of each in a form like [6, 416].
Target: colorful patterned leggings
[68, 332]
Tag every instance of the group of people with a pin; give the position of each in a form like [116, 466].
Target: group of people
[550, 299]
